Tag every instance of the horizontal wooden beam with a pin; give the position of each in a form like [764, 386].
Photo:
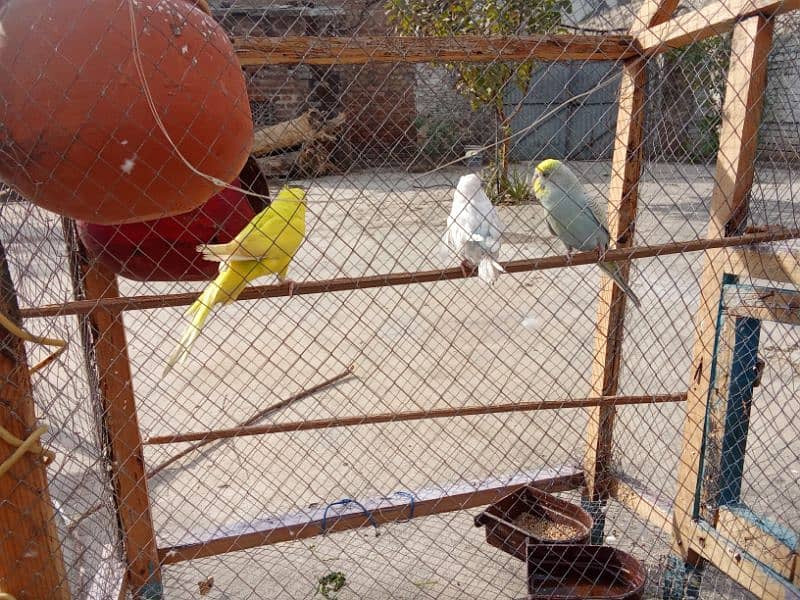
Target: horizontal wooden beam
[751, 533]
[796, 569]
[764, 304]
[82, 307]
[778, 265]
[736, 562]
[713, 19]
[399, 507]
[643, 504]
[309, 50]
[399, 417]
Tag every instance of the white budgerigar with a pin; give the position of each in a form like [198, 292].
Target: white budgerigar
[574, 217]
[474, 229]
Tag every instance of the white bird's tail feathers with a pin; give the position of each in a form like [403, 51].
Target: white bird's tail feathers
[613, 272]
[489, 269]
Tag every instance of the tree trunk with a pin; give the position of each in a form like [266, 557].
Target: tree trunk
[502, 147]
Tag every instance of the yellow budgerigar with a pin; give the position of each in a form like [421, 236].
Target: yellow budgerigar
[265, 246]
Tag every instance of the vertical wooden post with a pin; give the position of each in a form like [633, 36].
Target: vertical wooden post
[622, 203]
[31, 562]
[106, 354]
[750, 45]
[715, 418]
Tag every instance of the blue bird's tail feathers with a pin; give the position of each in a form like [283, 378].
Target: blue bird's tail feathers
[613, 271]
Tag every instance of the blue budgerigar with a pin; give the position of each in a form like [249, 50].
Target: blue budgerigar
[474, 229]
[574, 217]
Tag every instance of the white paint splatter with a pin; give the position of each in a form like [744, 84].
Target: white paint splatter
[185, 49]
[128, 165]
[2, 35]
[124, 142]
[610, 539]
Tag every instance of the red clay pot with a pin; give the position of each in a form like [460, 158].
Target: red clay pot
[77, 135]
[165, 249]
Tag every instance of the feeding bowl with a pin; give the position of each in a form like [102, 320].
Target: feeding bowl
[531, 515]
[585, 572]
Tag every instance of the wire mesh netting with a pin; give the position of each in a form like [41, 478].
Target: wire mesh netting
[382, 388]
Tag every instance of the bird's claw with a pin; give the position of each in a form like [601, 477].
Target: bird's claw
[291, 285]
[466, 268]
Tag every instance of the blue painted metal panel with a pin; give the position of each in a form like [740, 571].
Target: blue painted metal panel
[737, 417]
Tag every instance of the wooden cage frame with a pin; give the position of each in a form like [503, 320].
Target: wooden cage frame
[27, 511]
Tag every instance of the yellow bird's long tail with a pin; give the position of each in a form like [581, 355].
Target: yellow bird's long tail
[200, 308]
[224, 289]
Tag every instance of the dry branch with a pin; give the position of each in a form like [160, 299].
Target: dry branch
[308, 127]
[262, 414]
[80, 307]
[460, 48]
[280, 164]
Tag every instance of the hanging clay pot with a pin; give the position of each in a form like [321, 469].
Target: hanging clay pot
[77, 133]
[165, 249]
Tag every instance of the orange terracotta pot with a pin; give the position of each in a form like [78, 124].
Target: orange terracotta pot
[76, 132]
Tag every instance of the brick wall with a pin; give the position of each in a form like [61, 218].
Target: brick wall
[378, 99]
[446, 121]
[779, 135]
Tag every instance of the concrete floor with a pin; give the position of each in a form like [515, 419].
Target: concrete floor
[444, 344]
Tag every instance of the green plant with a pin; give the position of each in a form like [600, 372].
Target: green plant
[440, 137]
[328, 586]
[702, 67]
[512, 187]
[485, 84]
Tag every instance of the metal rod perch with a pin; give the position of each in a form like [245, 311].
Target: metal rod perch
[468, 411]
[81, 307]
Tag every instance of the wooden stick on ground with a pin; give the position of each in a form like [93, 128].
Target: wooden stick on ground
[251, 421]
[262, 414]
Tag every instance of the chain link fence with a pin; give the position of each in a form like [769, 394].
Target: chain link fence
[339, 432]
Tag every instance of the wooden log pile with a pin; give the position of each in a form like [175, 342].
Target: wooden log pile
[300, 146]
